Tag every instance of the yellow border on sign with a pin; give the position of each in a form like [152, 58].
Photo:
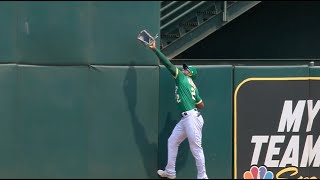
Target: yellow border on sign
[235, 110]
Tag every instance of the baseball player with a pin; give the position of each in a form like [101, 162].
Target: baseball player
[190, 125]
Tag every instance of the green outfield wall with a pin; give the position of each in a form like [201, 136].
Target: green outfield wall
[80, 97]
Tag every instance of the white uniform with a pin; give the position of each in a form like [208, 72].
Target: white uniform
[190, 126]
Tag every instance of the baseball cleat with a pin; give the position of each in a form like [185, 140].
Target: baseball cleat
[164, 174]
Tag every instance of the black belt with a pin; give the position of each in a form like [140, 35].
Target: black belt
[185, 113]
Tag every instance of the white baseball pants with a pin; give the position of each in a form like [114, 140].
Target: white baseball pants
[190, 126]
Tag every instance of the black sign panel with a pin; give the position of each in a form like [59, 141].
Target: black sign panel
[277, 128]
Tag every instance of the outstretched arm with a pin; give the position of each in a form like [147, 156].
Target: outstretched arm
[165, 61]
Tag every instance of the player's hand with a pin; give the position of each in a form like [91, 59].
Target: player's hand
[153, 45]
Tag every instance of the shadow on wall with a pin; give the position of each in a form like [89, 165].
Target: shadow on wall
[148, 150]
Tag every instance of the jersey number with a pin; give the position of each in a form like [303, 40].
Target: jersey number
[177, 95]
[193, 93]
[193, 89]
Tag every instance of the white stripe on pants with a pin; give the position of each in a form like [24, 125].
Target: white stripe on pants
[190, 126]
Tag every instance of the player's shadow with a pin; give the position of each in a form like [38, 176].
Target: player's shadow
[148, 150]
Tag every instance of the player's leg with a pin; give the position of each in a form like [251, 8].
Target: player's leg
[193, 126]
[177, 136]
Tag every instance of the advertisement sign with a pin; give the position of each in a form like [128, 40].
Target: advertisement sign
[277, 128]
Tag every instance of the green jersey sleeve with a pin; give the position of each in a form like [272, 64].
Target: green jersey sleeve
[198, 98]
[172, 68]
[178, 75]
